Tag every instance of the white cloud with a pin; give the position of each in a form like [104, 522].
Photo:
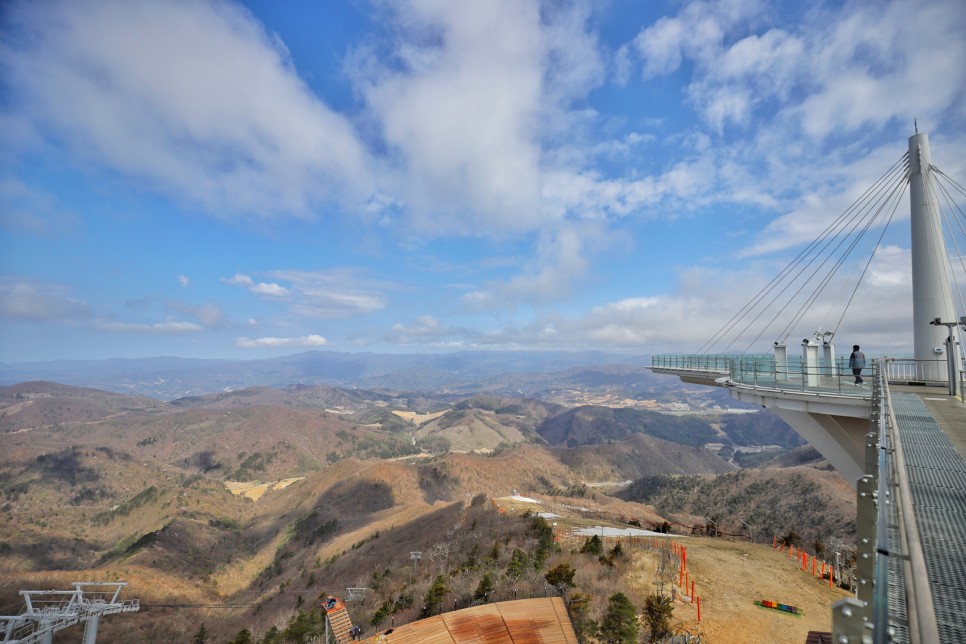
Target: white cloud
[707, 298]
[857, 68]
[331, 294]
[336, 293]
[561, 262]
[660, 46]
[32, 300]
[270, 342]
[210, 315]
[169, 326]
[424, 330]
[270, 290]
[469, 99]
[183, 280]
[25, 209]
[838, 71]
[194, 98]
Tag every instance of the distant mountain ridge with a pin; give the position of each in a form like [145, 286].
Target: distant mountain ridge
[168, 378]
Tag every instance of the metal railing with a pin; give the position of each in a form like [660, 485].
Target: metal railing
[693, 362]
[888, 540]
[917, 371]
[764, 371]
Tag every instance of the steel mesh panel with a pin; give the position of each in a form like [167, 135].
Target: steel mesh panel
[937, 476]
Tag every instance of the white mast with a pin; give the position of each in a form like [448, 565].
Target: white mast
[931, 296]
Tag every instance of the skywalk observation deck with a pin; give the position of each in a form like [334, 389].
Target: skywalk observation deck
[910, 492]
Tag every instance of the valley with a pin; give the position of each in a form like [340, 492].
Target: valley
[255, 501]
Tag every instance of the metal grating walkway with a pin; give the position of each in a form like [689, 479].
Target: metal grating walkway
[937, 476]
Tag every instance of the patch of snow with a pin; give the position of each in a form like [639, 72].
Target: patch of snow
[602, 531]
[526, 499]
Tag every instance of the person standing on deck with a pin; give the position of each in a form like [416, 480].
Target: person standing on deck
[856, 364]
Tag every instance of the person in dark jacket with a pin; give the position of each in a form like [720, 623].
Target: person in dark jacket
[856, 364]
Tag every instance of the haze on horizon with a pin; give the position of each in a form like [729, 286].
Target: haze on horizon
[225, 179]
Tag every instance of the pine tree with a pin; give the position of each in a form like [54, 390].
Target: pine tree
[620, 625]
[485, 587]
[518, 563]
[201, 637]
[593, 546]
[561, 576]
[434, 596]
[657, 615]
[244, 637]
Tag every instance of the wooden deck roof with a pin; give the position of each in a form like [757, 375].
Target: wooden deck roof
[525, 621]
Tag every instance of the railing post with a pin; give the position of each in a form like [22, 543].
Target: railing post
[847, 623]
[866, 522]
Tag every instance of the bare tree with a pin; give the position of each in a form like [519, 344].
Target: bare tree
[440, 555]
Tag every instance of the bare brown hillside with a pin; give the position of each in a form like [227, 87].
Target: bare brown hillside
[816, 504]
[30, 406]
[639, 455]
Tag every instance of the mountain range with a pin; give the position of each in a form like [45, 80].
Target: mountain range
[260, 494]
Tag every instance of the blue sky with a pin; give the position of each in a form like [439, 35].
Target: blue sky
[222, 179]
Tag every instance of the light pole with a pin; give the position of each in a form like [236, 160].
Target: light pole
[950, 349]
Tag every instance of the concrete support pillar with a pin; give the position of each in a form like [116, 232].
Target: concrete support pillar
[839, 439]
[931, 294]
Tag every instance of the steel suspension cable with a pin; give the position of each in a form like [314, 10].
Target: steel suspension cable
[951, 236]
[812, 247]
[878, 245]
[942, 269]
[845, 226]
[896, 193]
[872, 211]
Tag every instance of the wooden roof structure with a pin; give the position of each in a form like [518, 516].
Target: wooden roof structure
[524, 621]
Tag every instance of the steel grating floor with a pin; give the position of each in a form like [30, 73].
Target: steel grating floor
[937, 476]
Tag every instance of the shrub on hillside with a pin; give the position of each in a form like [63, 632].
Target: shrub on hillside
[620, 625]
[657, 617]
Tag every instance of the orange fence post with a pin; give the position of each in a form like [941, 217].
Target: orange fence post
[681, 578]
[774, 541]
[692, 590]
[831, 575]
[699, 610]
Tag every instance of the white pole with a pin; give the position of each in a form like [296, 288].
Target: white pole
[90, 629]
[931, 295]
